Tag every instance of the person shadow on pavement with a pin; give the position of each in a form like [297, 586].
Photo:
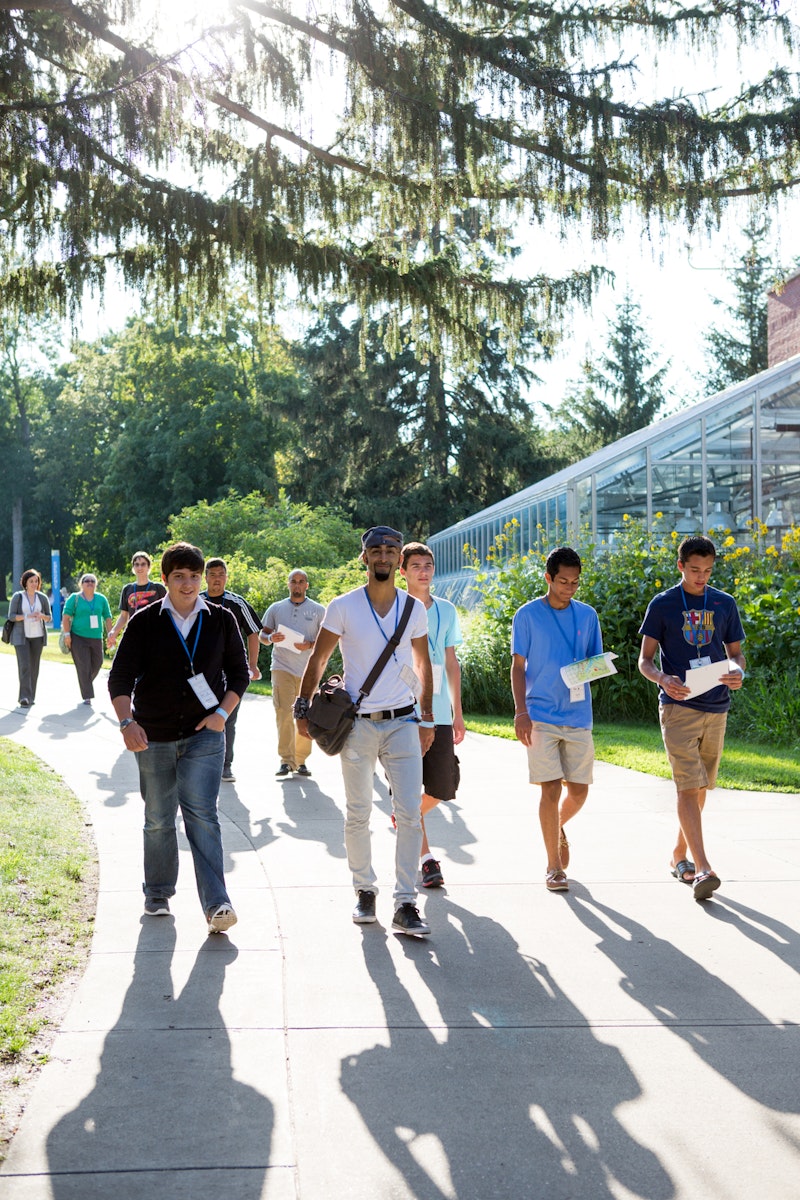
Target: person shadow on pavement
[696, 1005]
[513, 1095]
[166, 1116]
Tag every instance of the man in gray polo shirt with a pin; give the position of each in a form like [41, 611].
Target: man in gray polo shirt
[289, 658]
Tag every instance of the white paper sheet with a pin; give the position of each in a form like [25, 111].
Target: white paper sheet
[703, 679]
[291, 639]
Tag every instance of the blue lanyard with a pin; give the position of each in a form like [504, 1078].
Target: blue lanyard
[184, 643]
[573, 649]
[695, 632]
[396, 616]
[432, 644]
[31, 606]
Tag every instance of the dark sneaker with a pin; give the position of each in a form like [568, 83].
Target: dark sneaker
[283, 771]
[228, 775]
[364, 911]
[303, 770]
[408, 920]
[221, 918]
[156, 906]
[432, 873]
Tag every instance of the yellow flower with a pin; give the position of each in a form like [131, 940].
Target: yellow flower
[658, 583]
[729, 541]
[659, 515]
[626, 516]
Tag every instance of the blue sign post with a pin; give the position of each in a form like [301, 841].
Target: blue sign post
[55, 578]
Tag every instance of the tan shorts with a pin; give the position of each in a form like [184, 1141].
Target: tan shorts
[693, 741]
[560, 752]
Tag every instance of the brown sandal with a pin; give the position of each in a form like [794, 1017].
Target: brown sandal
[563, 847]
[556, 881]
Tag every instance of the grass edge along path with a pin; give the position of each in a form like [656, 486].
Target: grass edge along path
[48, 891]
[746, 766]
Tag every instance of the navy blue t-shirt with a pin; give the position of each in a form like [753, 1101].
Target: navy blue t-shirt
[700, 628]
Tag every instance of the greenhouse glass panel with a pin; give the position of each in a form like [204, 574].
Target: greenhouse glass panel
[729, 494]
[779, 503]
[678, 494]
[583, 493]
[621, 490]
[780, 427]
[685, 442]
[729, 435]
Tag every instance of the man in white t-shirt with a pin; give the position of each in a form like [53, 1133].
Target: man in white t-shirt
[387, 729]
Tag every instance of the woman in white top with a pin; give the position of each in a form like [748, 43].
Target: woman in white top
[29, 609]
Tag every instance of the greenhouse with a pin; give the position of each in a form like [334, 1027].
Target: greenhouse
[718, 464]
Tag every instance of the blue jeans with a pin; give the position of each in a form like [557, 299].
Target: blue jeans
[396, 745]
[183, 774]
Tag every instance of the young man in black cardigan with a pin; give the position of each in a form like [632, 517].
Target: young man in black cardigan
[177, 676]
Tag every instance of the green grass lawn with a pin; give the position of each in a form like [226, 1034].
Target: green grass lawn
[745, 765]
[46, 860]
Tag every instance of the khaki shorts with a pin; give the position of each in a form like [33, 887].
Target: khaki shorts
[693, 741]
[560, 752]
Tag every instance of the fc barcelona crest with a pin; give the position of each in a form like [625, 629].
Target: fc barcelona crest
[698, 627]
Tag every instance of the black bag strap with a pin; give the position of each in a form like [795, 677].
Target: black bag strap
[391, 645]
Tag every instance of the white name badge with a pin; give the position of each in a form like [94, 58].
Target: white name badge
[94, 622]
[411, 679]
[199, 685]
[438, 676]
[700, 662]
[577, 693]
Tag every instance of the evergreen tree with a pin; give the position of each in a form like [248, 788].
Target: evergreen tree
[621, 392]
[739, 349]
[517, 110]
[400, 438]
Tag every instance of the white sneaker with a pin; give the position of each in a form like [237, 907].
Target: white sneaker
[222, 918]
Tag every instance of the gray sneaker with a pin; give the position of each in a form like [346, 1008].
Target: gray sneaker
[408, 920]
[156, 906]
[364, 911]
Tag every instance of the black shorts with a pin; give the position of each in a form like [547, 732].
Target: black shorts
[440, 770]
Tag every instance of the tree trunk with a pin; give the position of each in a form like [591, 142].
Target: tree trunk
[18, 548]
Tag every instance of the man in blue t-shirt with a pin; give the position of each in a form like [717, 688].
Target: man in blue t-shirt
[551, 719]
[693, 625]
[440, 767]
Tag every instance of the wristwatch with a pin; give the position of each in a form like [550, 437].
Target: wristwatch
[300, 709]
[128, 721]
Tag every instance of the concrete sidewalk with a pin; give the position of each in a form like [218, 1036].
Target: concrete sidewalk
[619, 1041]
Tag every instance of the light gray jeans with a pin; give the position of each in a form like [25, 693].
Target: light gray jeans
[395, 744]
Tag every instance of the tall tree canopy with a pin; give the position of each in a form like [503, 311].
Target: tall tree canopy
[149, 420]
[404, 439]
[738, 348]
[622, 391]
[176, 159]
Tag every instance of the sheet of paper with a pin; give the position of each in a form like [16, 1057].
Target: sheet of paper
[292, 638]
[703, 679]
[588, 669]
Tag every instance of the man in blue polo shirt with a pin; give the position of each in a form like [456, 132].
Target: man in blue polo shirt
[693, 625]
[552, 720]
